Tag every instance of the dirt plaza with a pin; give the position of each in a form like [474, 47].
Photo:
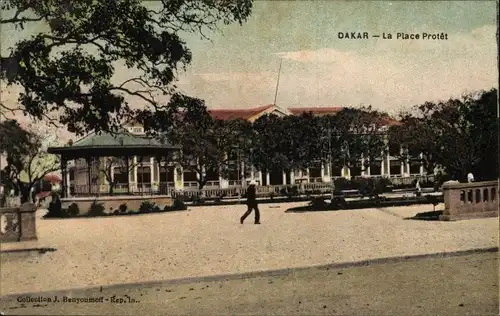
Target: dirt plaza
[210, 240]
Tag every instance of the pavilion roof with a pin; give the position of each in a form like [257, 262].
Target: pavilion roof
[111, 143]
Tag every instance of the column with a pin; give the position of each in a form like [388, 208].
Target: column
[402, 166]
[421, 164]
[157, 169]
[260, 177]
[382, 164]
[134, 173]
[68, 182]
[308, 176]
[127, 170]
[223, 182]
[388, 157]
[89, 174]
[64, 183]
[328, 170]
[111, 174]
[243, 174]
[386, 164]
[322, 172]
[284, 178]
[152, 173]
[179, 178]
[346, 172]
[292, 177]
[268, 178]
[252, 173]
[363, 171]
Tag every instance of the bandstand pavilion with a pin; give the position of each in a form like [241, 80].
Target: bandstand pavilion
[83, 161]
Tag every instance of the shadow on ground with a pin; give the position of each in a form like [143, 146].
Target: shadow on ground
[427, 216]
[26, 251]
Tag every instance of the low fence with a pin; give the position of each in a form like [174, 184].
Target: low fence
[470, 200]
[18, 223]
[213, 190]
[122, 189]
[262, 191]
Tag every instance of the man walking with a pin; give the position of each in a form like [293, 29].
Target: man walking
[251, 203]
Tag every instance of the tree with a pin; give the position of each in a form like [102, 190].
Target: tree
[460, 135]
[234, 139]
[29, 162]
[13, 140]
[416, 135]
[468, 130]
[484, 131]
[269, 153]
[300, 142]
[12, 137]
[360, 131]
[66, 68]
[186, 122]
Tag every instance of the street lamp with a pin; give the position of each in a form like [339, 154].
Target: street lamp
[330, 166]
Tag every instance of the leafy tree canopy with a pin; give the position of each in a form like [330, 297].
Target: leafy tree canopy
[67, 69]
[460, 135]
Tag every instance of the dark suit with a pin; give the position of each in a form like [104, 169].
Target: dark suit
[251, 204]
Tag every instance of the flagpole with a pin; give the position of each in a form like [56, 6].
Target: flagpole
[278, 82]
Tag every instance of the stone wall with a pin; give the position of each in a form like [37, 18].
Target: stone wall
[470, 200]
[114, 202]
[18, 224]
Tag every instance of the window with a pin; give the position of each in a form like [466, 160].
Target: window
[137, 130]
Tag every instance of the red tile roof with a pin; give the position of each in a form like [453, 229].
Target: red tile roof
[232, 114]
[245, 114]
[315, 110]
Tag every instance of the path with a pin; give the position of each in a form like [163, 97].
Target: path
[462, 285]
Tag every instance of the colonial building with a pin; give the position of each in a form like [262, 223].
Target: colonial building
[88, 170]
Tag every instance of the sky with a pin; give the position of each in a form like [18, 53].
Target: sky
[238, 67]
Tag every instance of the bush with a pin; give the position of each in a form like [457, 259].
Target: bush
[342, 184]
[272, 195]
[197, 199]
[73, 209]
[147, 207]
[96, 209]
[338, 202]
[122, 208]
[318, 203]
[290, 191]
[178, 205]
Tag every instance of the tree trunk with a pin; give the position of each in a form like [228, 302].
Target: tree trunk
[25, 193]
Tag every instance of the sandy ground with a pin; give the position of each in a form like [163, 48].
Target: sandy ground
[210, 240]
[465, 285]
